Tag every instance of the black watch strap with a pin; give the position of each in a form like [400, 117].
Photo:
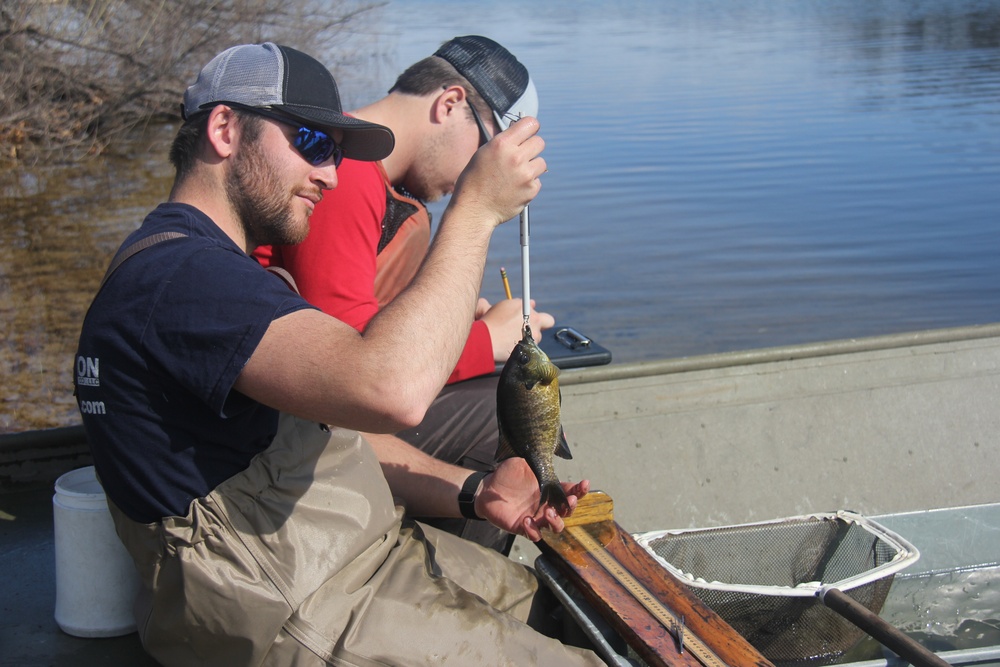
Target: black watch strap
[467, 496]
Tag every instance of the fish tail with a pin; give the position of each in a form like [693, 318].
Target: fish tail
[553, 494]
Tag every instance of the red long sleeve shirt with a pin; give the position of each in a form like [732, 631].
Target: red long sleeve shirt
[339, 269]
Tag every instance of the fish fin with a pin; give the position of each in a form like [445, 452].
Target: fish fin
[504, 450]
[562, 446]
[553, 494]
[529, 384]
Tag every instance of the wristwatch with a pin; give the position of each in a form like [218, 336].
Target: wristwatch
[467, 496]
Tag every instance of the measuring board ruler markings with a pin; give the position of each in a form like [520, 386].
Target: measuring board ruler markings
[656, 614]
[685, 641]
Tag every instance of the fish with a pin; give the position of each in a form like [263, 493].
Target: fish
[528, 416]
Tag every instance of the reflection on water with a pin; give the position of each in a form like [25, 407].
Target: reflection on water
[950, 611]
[60, 226]
[722, 175]
[957, 607]
[775, 173]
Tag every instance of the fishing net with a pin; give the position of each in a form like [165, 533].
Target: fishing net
[764, 579]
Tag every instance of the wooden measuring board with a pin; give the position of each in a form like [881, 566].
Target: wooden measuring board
[656, 614]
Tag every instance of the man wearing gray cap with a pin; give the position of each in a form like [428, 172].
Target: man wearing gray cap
[369, 237]
[220, 406]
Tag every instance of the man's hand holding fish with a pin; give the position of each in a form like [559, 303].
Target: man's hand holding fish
[510, 495]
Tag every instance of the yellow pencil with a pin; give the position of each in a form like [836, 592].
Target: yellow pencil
[506, 283]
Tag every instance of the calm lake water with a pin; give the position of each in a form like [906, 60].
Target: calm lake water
[722, 176]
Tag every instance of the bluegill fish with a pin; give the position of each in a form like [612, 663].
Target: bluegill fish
[528, 403]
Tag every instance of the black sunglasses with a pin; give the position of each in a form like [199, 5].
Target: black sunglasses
[484, 135]
[316, 146]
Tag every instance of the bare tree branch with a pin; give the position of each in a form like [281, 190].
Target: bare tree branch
[77, 75]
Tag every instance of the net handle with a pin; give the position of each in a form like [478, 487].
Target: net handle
[886, 634]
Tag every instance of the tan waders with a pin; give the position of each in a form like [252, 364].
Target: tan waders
[304, 559]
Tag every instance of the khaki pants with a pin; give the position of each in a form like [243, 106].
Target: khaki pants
[303, 559]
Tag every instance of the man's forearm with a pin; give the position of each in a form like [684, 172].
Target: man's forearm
[428, 486]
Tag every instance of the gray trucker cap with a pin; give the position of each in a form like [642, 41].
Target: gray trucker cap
[496, 75]
[279, 78]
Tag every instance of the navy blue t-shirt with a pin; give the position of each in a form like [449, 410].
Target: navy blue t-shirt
[161, 346]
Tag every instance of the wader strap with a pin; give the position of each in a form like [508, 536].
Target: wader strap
[125, 253]
[153, 239]
[286, 276]
[136, 247]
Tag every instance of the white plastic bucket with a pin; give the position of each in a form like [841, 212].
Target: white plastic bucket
[96, 581]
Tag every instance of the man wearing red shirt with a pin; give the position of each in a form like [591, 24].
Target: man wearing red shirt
[369, 235]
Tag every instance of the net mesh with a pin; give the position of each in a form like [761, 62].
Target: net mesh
[785, 562]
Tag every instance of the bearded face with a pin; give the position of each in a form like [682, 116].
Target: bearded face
[260, 198]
